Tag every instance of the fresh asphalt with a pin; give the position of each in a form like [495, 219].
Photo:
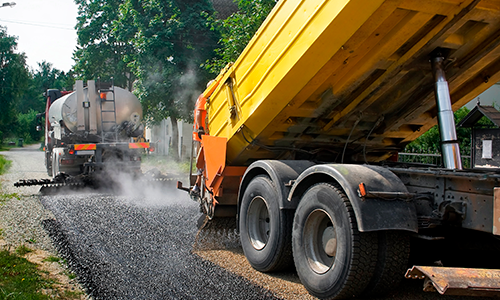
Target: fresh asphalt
[128, 248]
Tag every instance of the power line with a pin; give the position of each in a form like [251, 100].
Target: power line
[37, 24]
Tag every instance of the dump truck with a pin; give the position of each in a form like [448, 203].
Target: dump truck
[302, 134]
[91, 129]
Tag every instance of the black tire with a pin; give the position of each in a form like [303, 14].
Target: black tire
[265, 230]
[333, 259]
[392, 262]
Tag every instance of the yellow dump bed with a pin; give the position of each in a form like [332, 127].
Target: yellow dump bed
[320, 76]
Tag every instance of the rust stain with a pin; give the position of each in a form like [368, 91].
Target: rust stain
[458, 281]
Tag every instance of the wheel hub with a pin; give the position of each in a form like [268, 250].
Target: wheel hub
[320, 241]
[258, 223]
[329, 241]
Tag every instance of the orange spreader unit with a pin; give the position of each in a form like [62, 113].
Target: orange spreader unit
[212, 159]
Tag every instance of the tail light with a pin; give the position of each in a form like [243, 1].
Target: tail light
[67, 161]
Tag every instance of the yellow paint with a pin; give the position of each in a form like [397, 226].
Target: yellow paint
[358, 54]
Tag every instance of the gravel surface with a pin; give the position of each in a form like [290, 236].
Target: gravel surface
[21, 217]
[144, 243]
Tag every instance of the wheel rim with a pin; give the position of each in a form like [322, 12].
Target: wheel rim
[320, 241]
[258, 222]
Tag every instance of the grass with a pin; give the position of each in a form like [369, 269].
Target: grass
[5, 197]
[13, 144]
[23, 250]
[20, 279]
[4, 164]
[70, 274]
[52, 259]
[5, 147]
[181, 167]
[4, 167]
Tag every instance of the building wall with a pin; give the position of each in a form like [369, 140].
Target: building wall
[161, 136]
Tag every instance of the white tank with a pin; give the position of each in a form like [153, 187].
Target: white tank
[128, 108]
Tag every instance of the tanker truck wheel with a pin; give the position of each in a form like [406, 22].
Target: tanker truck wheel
[333, 259]
[265, 230]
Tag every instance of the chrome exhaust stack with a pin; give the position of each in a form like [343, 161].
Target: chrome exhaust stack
[449, 142]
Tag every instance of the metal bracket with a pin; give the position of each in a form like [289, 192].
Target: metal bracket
[458, 281]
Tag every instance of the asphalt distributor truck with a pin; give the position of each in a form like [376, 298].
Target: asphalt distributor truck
[302, 132]
[95, 126]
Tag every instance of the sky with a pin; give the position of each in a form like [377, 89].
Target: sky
[45, 30]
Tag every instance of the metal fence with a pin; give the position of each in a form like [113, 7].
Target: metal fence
[429, 159]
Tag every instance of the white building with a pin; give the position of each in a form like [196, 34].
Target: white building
[161, 137]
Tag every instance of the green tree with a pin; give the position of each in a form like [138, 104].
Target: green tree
[172, 40]
[32, 100]
[42, 79]
[46, 77]
[237, 30]
[430, 141]
[14, 78]
[100, 54]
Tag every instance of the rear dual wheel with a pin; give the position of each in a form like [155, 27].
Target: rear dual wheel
[334, 260]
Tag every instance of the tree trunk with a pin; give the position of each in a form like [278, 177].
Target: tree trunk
[175, 139]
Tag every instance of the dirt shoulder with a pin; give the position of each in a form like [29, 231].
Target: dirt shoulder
[21, 223]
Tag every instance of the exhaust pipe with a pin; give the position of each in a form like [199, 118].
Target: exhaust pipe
[449, 142]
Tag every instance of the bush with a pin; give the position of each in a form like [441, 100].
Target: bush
[26, 127]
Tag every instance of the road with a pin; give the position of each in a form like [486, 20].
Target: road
[143, 244]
